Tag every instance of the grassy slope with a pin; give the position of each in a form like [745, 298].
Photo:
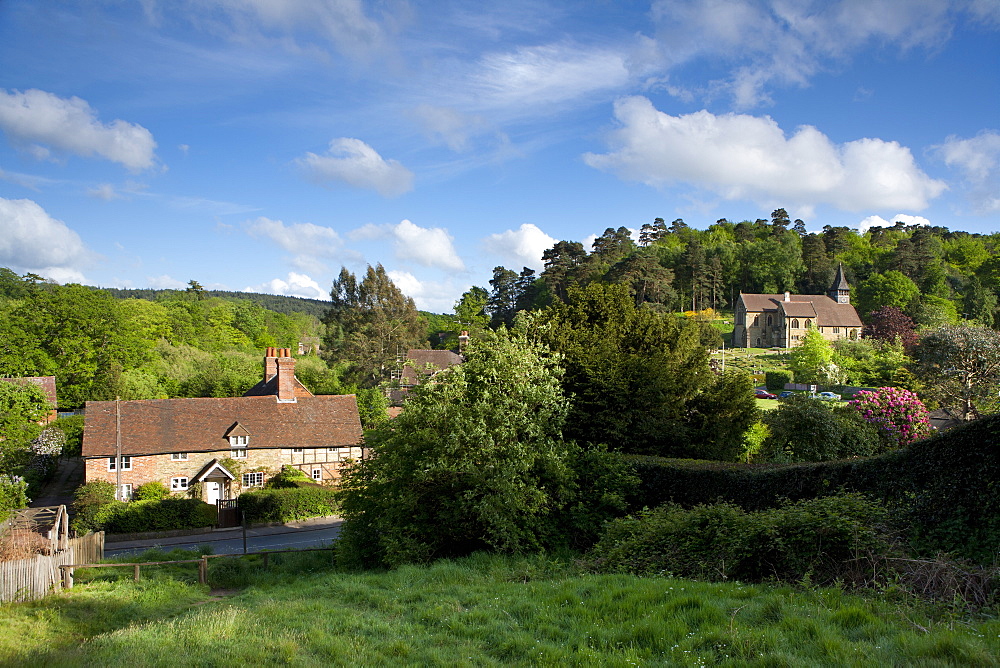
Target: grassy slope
[478, 611]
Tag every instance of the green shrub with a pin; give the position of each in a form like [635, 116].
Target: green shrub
[164, 515]
[940, 490]
[13, 494]
[151, 491]
[286, 505]
[806, 430]
[72, 426]
[819, 539]
[288, 477]
[88, 501]
[775, 381]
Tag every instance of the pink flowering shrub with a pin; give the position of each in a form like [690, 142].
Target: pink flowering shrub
[898, 413]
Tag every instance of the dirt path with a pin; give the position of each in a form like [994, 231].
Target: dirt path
[59, 490]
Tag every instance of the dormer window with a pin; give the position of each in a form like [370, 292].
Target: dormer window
[238, 441]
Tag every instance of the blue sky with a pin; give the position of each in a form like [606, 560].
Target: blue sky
[261, 145]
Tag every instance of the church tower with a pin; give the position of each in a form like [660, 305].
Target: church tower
[840, 291]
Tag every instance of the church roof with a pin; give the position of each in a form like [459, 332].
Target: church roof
[840, 281]
[827, 311]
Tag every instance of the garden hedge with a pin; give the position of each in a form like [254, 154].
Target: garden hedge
[163, 515]
[944, 491]
[288, 504]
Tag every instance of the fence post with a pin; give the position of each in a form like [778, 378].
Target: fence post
[137, 572]
[203, 571]
[67, 572]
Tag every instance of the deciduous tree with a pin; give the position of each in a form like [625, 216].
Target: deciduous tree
[961, 365]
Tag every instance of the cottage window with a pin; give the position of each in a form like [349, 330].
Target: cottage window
[238, 441]
[125, 492]
[317, 474]
[239, 453]
[253, 479]
[178, 484]
[126, 462]
[179, 456]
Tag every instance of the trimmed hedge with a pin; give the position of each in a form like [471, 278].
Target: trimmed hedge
[775, 381]
[164, 515]
[944, 491]
[288, 504]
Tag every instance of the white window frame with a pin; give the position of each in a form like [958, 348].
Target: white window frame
[178, 456]
[239, 453]
[317, 473]
[179, 484]
[126, 461]
[253, 479]
[239, 441]
[125, 492]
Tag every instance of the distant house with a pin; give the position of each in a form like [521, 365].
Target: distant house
[782, 320]
[226, 445]
[419, 365]
[48, 385]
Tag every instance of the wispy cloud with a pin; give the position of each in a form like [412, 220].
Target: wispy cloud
[978, 159]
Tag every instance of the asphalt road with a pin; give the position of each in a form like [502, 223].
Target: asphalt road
[315, 533]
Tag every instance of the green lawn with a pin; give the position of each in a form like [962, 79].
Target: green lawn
[480, 611]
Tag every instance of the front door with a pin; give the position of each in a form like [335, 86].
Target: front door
[213, 491]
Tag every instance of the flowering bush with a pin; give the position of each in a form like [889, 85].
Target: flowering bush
[898, 413]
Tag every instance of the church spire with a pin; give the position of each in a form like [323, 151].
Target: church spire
[840, 291]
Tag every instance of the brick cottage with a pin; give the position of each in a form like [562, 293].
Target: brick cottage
[216, 448]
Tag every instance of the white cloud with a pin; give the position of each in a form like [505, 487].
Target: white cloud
[40, 120]
[427, 295]
[165, 282]
[879, 221]
[978, 159]
[739, 157]
[296, 285]
[305, 241]
[357, 164]
[31, 240]
[523, 246]
[787, 43]
[427, 246]
[104, 191]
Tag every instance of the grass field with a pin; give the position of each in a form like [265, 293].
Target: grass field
[479, 611]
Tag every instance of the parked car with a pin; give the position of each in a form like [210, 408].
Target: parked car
[828, 396]
[786, 394]
[763, 394]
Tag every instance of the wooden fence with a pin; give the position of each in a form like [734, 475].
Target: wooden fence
[30, 579]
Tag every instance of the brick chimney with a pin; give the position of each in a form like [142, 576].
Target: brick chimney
[286, 376]
[270, 364]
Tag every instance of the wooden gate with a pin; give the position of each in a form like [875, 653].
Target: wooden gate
[229, 513]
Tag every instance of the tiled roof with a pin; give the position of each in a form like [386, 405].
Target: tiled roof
[828, 312]
[270, 388]
[200, 425]
[47, 383]
[426, 362]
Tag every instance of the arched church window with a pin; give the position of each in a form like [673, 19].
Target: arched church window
[809, 323]
[795, 323]
[768, 320]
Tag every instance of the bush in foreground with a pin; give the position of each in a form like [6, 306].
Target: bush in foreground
[164, 515]
[825, 540]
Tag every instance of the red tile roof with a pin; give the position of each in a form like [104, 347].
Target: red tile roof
[200, 425]
[47, 383]
[829, 312]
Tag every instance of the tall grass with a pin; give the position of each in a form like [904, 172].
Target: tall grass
[479, 611]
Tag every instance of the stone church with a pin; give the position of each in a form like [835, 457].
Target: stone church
[781, 321]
